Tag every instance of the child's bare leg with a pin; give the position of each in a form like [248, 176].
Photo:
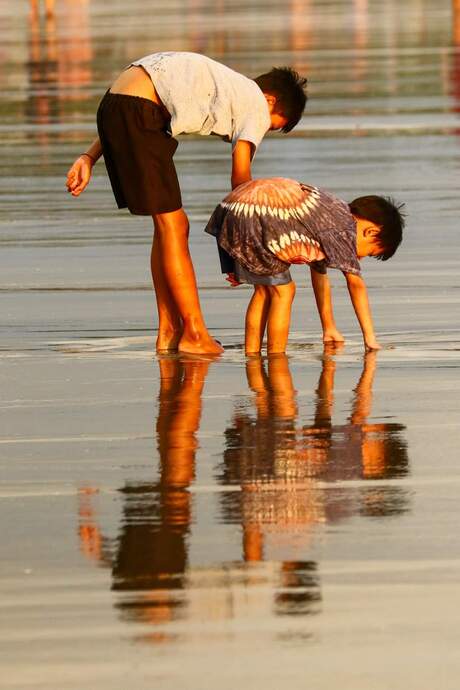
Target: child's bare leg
[256, 319]
[171, 230]
[169, 320]
[279, 317]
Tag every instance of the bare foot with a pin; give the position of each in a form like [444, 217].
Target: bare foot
[168, 342]
[204, 345]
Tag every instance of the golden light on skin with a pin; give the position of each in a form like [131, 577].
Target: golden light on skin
[277, 121]
[366, 242]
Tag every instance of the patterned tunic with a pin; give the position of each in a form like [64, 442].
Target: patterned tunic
[268, 224]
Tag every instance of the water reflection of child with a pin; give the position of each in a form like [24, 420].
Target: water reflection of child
[277, 463]
[265, 225]
[150, 554]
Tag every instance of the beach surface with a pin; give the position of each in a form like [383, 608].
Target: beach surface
[176, 522]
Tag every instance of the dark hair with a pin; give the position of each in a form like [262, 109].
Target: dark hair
[387, 215]
[289, 88]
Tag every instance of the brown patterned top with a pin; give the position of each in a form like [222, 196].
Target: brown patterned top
[267, 224]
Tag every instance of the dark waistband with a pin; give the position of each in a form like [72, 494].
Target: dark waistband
[127, 100]
[129, 97]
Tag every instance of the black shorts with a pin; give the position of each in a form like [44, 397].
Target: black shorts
[138, 153]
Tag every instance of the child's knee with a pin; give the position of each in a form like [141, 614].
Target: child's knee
[175, 222]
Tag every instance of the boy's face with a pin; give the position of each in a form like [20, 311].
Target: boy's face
[367, 238]
[278, 121]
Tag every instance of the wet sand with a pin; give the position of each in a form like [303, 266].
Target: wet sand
[184, 523]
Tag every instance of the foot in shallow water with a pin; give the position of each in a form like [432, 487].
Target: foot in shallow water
[204, 345]
[168, 342]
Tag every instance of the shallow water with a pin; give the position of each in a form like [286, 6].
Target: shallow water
[192, 523]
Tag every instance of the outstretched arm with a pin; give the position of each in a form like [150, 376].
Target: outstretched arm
[79, 174]
[358, 295]
[323, 297]
[241, 163]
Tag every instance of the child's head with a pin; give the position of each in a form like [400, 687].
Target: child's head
[382, 235]
[285, 91]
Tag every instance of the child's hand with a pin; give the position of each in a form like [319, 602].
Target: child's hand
[231, 278]
[79, 175]
[332, 335]
[371, 344]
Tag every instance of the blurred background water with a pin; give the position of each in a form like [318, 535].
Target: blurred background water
[195, 524]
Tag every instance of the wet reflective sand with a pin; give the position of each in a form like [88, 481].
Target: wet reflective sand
[179, 522]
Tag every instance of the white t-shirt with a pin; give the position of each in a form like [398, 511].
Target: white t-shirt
[206, 97]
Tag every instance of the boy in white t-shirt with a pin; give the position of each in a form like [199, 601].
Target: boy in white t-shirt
[154, 99]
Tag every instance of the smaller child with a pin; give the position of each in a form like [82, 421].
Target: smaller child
[265, 225]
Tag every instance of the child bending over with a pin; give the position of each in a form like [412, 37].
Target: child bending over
[153, 100]
[265, 225]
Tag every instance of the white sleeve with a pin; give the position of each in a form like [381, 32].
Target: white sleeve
[250, 127]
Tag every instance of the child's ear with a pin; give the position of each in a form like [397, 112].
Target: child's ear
[371, 230]
[271, 100]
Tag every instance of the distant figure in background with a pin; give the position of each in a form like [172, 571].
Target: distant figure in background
[456, 21]
[59, 67]
[265, 225]
[154, 99]
[49, 7]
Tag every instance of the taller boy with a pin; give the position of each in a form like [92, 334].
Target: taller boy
[153, 100]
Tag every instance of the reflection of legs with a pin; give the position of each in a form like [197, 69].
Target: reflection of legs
[362, 402]
[179, 443]
[88, 529]
[283, 391]
[325, 393]
[258, 382]
[279, 317]
[253, 543]
[171, 235]
[256, 319]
